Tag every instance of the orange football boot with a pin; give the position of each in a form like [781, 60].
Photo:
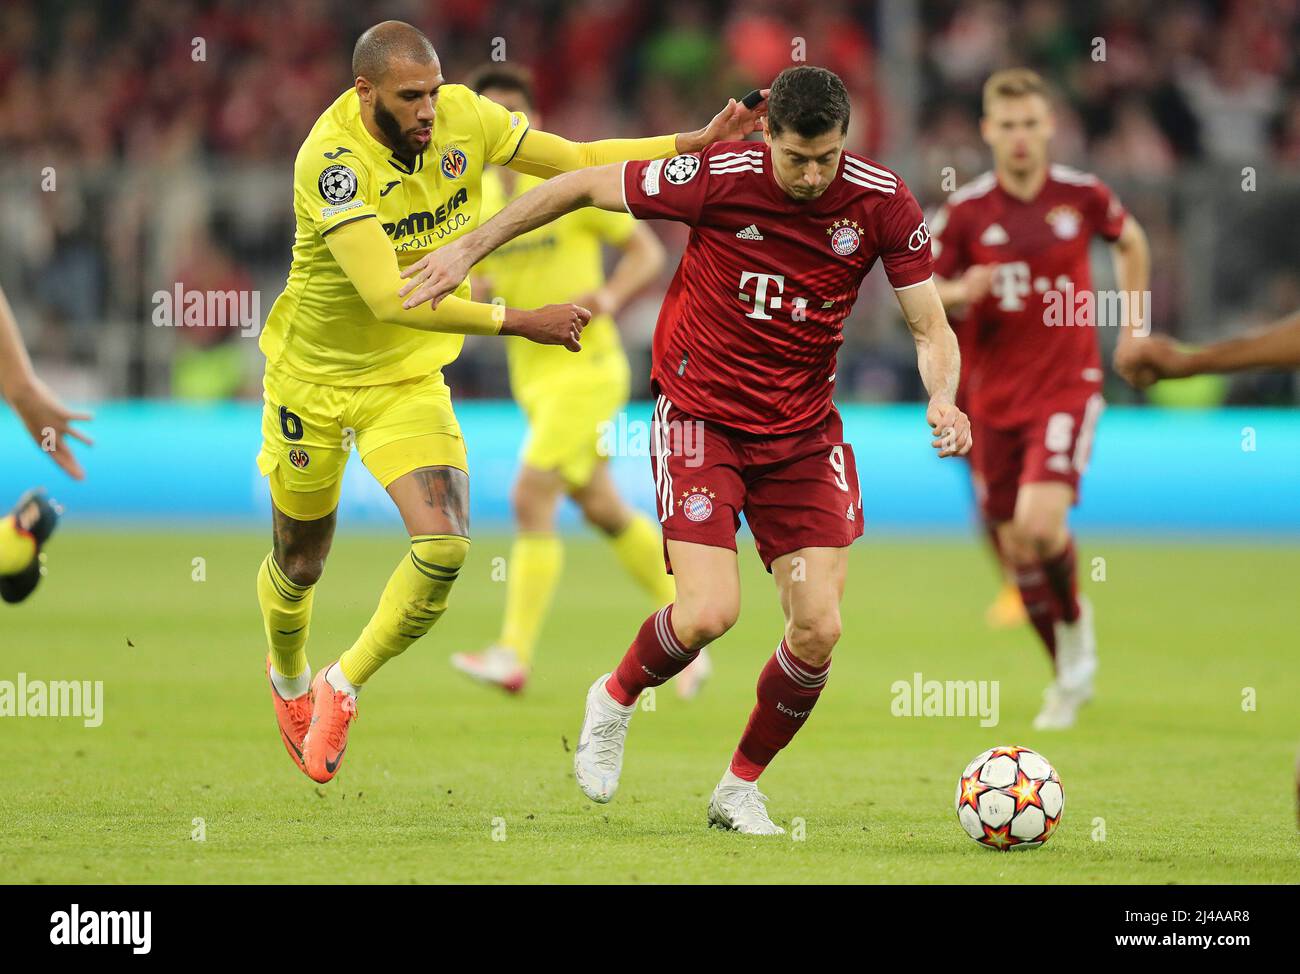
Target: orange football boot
[1007, 611]
[327, 738]
[294, 717]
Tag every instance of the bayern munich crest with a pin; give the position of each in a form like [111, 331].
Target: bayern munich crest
[338, 184]
[454, 163]
[846, 237]
[1065, 221]
[697, 503]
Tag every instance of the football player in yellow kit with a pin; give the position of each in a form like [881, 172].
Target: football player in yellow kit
[568, 399]
[25, 529]
[391, 171]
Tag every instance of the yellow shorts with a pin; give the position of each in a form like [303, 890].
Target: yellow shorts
[569, 418]
[309, 430]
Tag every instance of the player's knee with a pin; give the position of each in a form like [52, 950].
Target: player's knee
[439, 559]
[700, 625]
[813, 640]
[533, 506]
[302, 567]
[1036, 538]
[606, 516]
[446, 551]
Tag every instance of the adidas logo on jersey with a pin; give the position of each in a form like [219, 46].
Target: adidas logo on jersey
[994, 236]
[749, 233]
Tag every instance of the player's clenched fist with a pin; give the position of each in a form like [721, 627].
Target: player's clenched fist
[1142, 362]
[950, 428]
[976, 282]
[434, 276]
[554, 324]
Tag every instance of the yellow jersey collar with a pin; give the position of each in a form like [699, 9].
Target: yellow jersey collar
[350, 104]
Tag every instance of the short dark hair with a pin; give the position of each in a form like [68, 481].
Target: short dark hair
[382, 44]
[809, 100]
[503, 77]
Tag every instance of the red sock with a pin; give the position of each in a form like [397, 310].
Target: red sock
[655, 657]
[787, 690]
[1063, 578]
[1040, 603]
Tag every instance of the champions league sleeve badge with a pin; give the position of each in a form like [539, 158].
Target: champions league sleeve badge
[338, 184]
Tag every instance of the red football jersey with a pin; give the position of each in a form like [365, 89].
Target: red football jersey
[1019, 357]
[749, 329]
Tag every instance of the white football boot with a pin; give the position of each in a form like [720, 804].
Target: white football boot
[739, 806]
[598, 760]
[1060, 709]
[1076, 665]
[496, 665]
[1076, 653]
[690, 680]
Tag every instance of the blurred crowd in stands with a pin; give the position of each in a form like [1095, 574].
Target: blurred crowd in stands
[171, 126]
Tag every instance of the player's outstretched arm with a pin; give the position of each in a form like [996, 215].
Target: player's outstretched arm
[546, 154]
[1132, 258]
[47, 420]
[939, 361]
[1275, 347]
[366, 257]
[440, 272]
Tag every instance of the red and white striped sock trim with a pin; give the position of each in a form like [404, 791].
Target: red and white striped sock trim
[799, 672]
[668, 641]
[1030, 576]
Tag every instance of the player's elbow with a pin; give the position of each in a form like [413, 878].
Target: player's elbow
[645, 254]
[1132, 238]
[385, 307]
[652, 257]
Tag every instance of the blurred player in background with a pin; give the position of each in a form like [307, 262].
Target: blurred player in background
[390, 171]
[1034, 391]
[24, 531]
[566, 398]
[783, 232]
[1007, 610]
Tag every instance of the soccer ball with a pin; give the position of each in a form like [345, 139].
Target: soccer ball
[1010, 798]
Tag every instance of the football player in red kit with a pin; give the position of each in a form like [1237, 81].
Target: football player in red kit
[783, 232]
[1034, 367]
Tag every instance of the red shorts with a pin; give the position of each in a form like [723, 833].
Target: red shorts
[1054, 447]
[796, 491]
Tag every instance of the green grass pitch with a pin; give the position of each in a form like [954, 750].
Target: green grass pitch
[1168, 779]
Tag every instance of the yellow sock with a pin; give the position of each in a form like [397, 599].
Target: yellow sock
[531, 576]
[413, 600]
[286, 615]
[641, 553]
[17, 549]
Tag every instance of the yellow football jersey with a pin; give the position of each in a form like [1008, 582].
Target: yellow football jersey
[320, 329]
[559, 261]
